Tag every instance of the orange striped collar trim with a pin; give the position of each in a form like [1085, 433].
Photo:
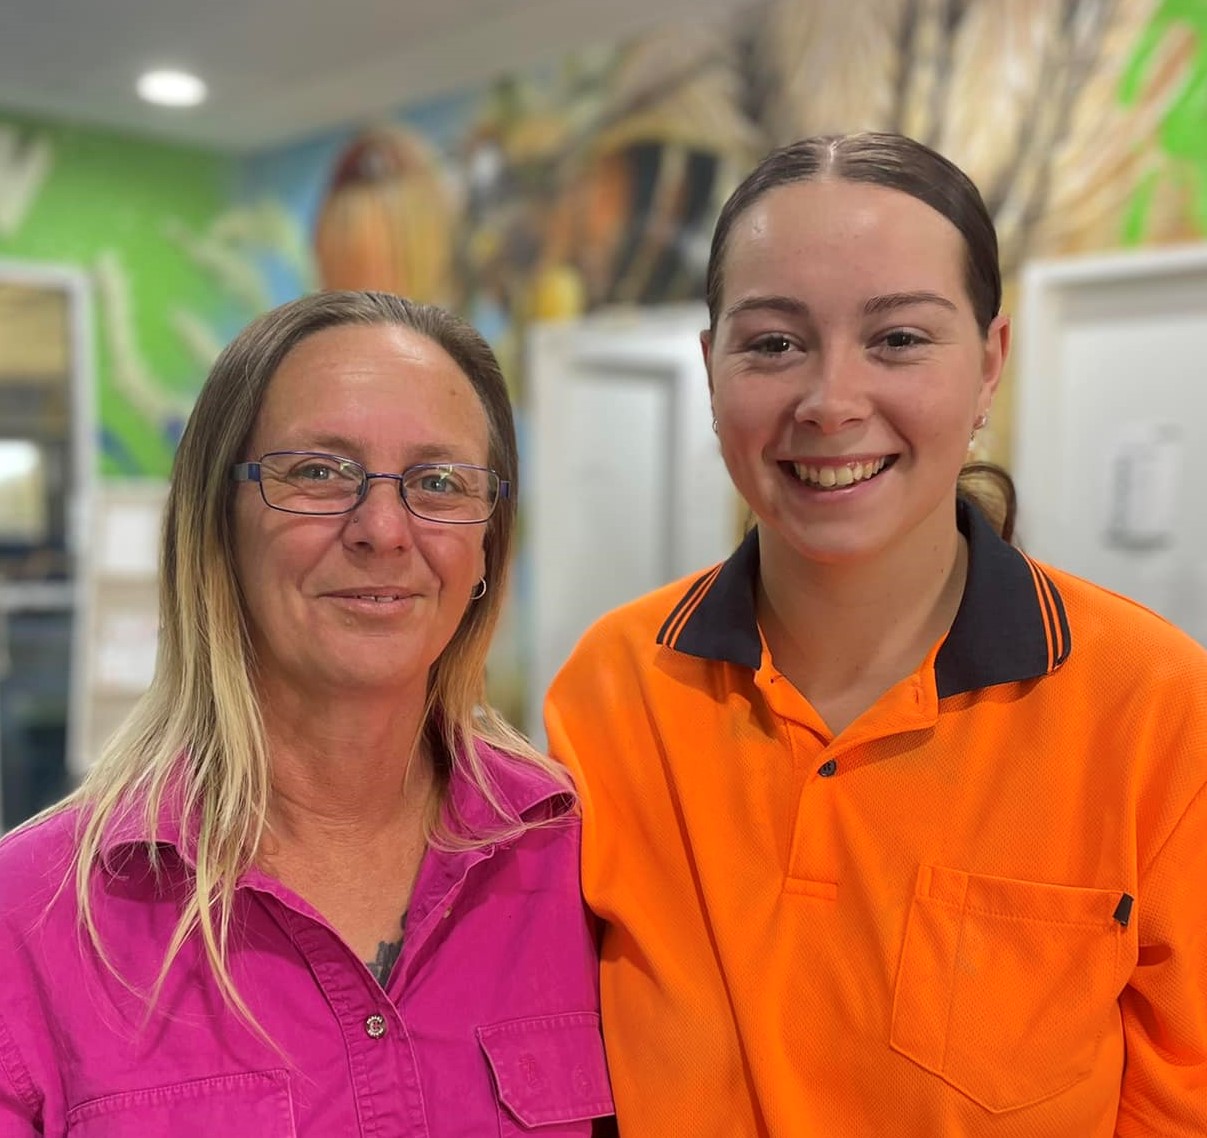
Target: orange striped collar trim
[1011, 624]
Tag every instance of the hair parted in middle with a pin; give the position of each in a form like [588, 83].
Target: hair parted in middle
[882, 159]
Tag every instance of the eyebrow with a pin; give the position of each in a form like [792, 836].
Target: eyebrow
[335, 444]
[887, 303]
[348, 447]
[790, 306]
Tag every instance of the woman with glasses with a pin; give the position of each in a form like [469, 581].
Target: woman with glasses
[315, 885]
[893, 830]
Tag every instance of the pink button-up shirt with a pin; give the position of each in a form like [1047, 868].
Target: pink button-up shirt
[487, 1026]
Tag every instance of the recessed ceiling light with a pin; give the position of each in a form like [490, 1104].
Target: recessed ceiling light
[171, 89]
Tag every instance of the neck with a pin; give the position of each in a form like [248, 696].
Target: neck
[347, 767]
[860, 627]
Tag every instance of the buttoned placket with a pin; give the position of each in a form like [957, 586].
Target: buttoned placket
[381, 1059]
[813, 856]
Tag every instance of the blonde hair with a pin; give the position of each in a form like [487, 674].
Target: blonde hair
[197, 732]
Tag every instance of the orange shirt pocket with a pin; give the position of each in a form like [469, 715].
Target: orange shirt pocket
[1005, 987]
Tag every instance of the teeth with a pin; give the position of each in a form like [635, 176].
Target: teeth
[836, 477]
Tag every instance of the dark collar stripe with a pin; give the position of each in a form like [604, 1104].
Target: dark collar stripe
[1054, 615]
[1011, 624]
[722, 624]
[1042, 600]
[685, 606]
[1061, 622]
[689, 608]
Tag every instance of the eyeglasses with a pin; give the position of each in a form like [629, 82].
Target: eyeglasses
[310, 482]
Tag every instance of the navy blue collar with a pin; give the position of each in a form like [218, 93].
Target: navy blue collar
[1010, 626]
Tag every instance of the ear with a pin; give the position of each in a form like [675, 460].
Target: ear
[706, 349]
[482, 554]
[993, 360]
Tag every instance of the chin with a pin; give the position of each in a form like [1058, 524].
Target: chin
[836, 544]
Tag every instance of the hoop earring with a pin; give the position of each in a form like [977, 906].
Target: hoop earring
[478, 591]
[714, 425]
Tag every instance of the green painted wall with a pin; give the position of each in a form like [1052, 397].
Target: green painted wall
[125, 211]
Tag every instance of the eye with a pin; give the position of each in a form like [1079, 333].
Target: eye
[312, 472]
[440, 482]
[772, 344]
[318, 469]
[900, 339]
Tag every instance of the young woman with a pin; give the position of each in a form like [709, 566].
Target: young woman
[892, 829]
[315, 886]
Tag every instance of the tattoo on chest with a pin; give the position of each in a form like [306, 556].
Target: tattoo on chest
[387, 955]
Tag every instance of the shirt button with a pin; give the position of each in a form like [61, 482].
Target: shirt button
[827, 768]
[375, 1026]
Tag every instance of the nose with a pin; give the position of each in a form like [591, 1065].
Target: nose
[834, 392]
[381, 522]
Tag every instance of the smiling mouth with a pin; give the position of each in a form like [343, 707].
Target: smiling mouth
[375, 598]
[831, 477]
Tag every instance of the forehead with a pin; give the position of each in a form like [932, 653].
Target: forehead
[384, 384]
[807, 232]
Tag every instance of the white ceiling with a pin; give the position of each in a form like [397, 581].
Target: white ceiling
[281, 69]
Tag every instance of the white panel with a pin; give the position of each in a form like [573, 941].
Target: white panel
[613, 539]
[623, 486]
[1112, 411]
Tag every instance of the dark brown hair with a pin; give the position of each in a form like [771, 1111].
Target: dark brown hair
[890, 160]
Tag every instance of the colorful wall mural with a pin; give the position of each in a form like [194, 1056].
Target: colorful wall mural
[596, 181]
[153, 228]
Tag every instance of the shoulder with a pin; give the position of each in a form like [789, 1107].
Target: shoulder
[633, 628]
[37, 862]
[1114, 633]
[524, 788]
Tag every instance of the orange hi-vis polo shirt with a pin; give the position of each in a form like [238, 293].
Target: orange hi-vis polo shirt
[980, 910]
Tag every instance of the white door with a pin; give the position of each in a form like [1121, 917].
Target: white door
[1111, 421]
[624, 488]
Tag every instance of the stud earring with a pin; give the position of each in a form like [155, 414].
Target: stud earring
[714, 425]
[478, 591]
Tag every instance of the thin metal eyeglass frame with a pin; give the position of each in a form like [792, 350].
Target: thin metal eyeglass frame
[250, 472]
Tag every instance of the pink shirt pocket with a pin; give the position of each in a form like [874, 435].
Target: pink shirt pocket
[549, 1071]
[252, 1102]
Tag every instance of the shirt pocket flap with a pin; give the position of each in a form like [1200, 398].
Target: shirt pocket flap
[253, 1102]
[549, 1069]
